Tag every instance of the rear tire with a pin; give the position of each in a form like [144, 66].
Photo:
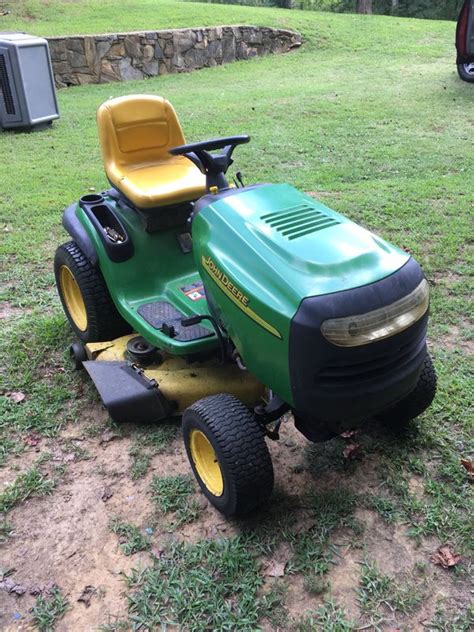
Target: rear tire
[85, 297]
[228, 454]
[466, 72]
[415, 402]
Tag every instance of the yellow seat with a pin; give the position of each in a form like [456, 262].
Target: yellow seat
[135, 135]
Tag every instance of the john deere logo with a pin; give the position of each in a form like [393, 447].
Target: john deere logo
[235, 294]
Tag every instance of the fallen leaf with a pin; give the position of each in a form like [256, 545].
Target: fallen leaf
[445, 557]
[222, 526]
[108, 435]
[106, 494]
[10, 586]
[15, 396]
[275, 569]
[351, 451]
[276, 566]
[348, 434]
[303, 527]
[469, 467]
[63, 458]
[53, 370]
[33, 439]
[35, 590]
[49, 588]
[86, 595]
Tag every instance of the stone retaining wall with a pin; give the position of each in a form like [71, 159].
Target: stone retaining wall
[123, 56]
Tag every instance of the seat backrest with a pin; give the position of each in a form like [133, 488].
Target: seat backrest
[137, 129]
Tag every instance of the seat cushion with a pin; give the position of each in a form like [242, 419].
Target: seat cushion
[165, 183]
[136, 133]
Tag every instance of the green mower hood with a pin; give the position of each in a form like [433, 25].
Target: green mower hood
[291, 242]
[262, 250]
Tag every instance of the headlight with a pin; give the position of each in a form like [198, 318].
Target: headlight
[353, 331]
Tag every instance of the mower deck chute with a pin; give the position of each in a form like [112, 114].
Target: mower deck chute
[163, 388]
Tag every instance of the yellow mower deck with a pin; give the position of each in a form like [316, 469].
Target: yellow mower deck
[179, 381]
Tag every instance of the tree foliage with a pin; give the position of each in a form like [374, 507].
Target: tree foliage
[439, 10]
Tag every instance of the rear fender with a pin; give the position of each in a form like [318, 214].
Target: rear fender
[77, 231]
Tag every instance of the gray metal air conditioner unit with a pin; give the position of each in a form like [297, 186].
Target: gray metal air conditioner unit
[27, 93]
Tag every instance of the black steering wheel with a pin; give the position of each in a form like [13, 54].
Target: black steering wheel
[214, 166]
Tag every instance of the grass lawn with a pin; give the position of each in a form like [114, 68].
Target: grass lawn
[370, 116]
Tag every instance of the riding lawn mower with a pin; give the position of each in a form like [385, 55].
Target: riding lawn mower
[233, 305]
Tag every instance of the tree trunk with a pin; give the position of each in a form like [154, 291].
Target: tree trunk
[394, 9]
[364, 6]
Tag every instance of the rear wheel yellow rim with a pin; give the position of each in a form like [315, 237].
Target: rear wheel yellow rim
[206, 462]
[73, 298]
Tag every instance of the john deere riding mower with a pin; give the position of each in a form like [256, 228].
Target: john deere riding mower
[232, 305]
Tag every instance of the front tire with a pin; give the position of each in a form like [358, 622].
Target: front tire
[85, 297]
[466, 72]
[228, 454]
[415, 402]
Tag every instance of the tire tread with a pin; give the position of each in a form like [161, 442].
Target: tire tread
[418, 400]
[242, 441]
[103, 320]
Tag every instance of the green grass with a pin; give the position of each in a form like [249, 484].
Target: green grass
[34, 353]
[457, 622]
[173, 494]
[59, 17]
[147, 443]
[131, 538]
[212, 585]
[379, 595]
[30, 483]
[329, 617]
[5, 530]
[370, 114]
[313, 552]
[273, 606]
[49, 609]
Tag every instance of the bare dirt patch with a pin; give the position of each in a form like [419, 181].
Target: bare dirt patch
[10, 312]
[454, 340]
[65, 538]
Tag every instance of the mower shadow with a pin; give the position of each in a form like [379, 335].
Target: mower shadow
[328, 488]
[345, 455]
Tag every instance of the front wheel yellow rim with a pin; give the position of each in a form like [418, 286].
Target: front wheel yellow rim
[206, 462]
[73, 298]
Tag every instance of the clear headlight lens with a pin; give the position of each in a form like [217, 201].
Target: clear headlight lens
[353, 331]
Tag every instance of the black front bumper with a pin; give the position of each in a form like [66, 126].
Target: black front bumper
[335, 388]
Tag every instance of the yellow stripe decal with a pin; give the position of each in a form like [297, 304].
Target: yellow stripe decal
[235, 295]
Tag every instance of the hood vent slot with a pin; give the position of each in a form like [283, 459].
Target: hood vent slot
[299, 220]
